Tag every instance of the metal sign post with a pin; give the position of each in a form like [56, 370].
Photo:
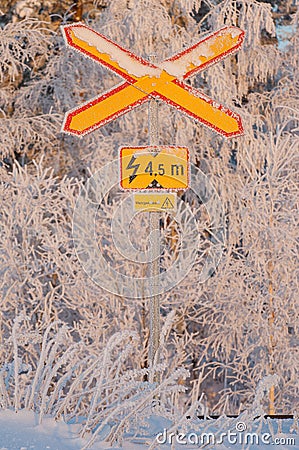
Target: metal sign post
[154, 265]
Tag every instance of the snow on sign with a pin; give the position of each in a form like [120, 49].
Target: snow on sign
[144, 80]
[154, 168]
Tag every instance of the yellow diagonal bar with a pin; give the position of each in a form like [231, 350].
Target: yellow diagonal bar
[198, 107]
[188, 102]
[113, 105]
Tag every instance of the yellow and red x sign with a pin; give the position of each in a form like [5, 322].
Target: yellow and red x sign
[144, 80]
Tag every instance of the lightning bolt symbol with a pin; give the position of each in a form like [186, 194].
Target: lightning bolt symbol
[133, 166]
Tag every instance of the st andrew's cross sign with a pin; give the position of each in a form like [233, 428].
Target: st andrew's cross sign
[144, 80]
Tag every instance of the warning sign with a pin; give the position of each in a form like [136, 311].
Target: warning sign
[167, 204]
[154, 168]
[155, 202]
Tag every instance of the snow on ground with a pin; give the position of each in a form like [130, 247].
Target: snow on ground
[20, 431]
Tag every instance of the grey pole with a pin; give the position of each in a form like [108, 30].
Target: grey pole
[154, 266]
